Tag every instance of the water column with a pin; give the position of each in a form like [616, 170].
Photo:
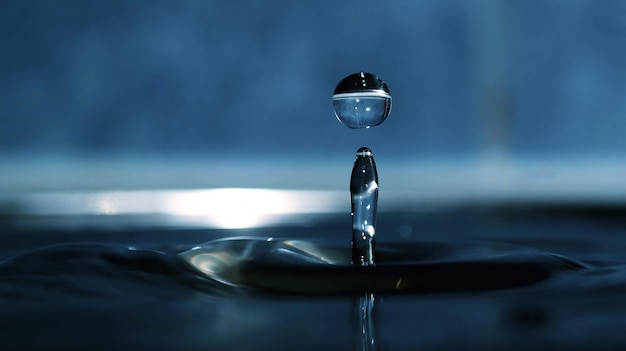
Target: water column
[362, 100]
[364, 196]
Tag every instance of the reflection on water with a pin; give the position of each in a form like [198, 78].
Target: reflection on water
[366, 332]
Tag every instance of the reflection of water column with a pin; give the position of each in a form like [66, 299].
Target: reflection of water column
[366, 322]
[364, 193]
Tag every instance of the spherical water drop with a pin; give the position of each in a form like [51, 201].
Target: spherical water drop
[361, 100]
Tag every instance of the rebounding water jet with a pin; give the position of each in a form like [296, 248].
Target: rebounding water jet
[362, 100]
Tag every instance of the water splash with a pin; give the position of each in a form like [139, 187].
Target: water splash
[364, 195]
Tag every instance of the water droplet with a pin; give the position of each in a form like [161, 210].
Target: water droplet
[364, 193]
[361, 100]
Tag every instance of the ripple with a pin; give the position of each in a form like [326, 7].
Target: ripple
[321, 268]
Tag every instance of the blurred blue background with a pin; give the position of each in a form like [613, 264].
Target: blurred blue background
[206, 80]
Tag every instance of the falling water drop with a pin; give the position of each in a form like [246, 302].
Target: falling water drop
[364, 194]
[361, 100]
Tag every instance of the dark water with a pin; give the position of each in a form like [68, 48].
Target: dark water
[470, 280]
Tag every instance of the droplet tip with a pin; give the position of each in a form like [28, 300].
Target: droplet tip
[364, 151]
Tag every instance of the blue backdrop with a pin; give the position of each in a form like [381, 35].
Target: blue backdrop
[200, 78]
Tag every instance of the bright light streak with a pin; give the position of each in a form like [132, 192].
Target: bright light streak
[217, 208]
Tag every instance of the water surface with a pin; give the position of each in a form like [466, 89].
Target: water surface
[105, 289]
